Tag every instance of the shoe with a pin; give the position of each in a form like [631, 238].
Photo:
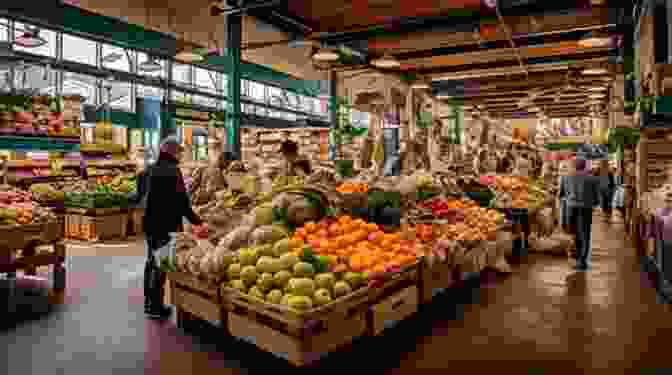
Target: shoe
[154, 292]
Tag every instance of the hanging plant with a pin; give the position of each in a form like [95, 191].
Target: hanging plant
[645, 104]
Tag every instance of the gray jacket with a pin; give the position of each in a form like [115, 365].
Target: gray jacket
[580, 190]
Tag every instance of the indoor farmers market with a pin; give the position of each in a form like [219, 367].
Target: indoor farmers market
[241, 185]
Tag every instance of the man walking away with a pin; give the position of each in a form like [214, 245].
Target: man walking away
[581, 194]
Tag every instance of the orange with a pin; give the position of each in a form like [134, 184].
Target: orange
[322, 233]
[301, 232]
[335, 230]
[310, 227]
[371, 227]
[360, 235]
[359, 222]
[379, 268]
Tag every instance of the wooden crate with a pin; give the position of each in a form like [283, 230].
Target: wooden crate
[394, 309]
[303, 337]
[195, 299]
[435, 278]
[23, 236]
[135, 218]
[94, 228]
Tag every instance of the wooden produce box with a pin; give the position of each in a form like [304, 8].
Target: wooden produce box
[435, 278]
[195, 299]
[303, 337]
[94, 228]
[23, 236]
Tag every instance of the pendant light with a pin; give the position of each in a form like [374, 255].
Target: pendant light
[420, 85]
[386, 62]
[598, 88]
[596, 96]
[594, 71]
[594, 40]
[30, 38]
[150, 65]
[325, 54]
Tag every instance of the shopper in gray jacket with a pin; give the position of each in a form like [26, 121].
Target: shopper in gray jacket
[581, 193]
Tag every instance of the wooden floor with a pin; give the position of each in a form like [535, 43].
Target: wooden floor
[545, 318]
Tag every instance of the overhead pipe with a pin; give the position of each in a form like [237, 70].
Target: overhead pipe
[509, 36]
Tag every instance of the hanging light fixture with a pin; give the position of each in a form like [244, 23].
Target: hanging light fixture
[596, 96]
[30, 38]
[326, 55]
[595, 71]
[420, 85]
[150, 65]
[594, 40]
[386, 62]
[597, 88]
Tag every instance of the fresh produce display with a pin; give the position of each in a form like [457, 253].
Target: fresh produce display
[451, 210]
[97, 199]
[116, 184]
[351, 187]
[17, 208]
[290, 274]
[46, 193]
[362, 245]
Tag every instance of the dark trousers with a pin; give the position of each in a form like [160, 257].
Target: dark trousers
[581, 219]
[606, 198]
[154, 278]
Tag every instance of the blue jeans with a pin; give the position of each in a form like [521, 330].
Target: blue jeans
[581, 219]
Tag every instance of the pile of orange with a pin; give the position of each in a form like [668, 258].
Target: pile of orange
[363, 246]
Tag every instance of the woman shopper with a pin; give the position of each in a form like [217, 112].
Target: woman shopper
[581, 194]
[162, 191]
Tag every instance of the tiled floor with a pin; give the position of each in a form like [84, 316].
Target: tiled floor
[543, 317]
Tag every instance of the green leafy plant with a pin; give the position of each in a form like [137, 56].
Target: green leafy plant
[56, 104]
[645, 104]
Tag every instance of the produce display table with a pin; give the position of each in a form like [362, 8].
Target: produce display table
[19, 251]
[96, 224]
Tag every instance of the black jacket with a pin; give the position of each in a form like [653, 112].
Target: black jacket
[166, 200]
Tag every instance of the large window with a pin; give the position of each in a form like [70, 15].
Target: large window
[37, 78]
[116, 58]
[145, 61]
[150, 92]
[182, 74]
[206, 80]
[4, 29]
[120, 96]
[205, 101]
[79, 50]
[256, 91]
[82, 85]
[47, 49]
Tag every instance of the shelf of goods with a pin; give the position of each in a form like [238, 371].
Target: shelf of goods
[94, 209]
[654, 158]
[286, 271]
[31, 237]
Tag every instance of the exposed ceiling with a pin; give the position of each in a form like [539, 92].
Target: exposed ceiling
[491, 58]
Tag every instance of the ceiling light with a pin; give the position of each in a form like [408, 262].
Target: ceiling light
[593, 40]
[597, 88]
[150, 65]
[596, 96]
[326, 55]
[30, 39]
[443, 96]
[386, 62]
[420, 85]
[189, 56]
[595, 71]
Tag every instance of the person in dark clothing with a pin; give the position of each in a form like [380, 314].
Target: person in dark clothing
[581, 194]
[162, 191]
[607, 188]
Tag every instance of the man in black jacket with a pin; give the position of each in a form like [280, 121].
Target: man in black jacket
[162, 191]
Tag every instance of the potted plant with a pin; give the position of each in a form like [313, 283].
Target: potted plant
[23, 115]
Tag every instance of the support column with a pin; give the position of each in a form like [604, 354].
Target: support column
[234, 31]
[333, 112]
